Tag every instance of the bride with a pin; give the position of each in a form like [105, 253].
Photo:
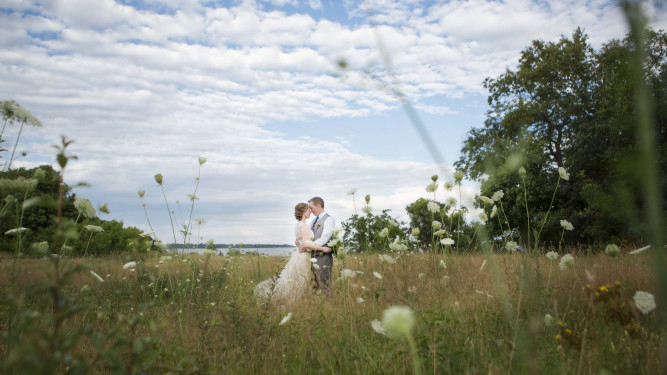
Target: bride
[294, 280]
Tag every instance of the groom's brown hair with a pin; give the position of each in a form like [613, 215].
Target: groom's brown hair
[317, 200]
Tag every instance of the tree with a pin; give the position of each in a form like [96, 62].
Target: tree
[567, 106]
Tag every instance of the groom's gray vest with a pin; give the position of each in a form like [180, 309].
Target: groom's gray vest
[318, 228]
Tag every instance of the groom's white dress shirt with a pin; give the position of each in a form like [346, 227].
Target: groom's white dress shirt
[327, 230]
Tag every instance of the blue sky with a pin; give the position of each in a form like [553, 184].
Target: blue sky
[146, 87]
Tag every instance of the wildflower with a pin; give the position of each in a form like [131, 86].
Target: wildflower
[483, 217]
[316, 266]
[212, 303]
[511, 246]
[432, 187]
[129, 265]
[158, 178]
[612, 250]
[398, 321]
[486, 199]
[494, 211]
[567, 261]
[18, 185]
[360, 300]
[445, 278]
[210, 252]
[387, 259]
[483, 293]
[440, 232]
[442, 264]
[458, 177]
[447, 241]
[165, 258]
[376, 274]
[384, 232]
[522, 171]
[84, 288]
[367, 210]
[202, 160]
[84, 207]
[422, 276]
[347, 274]
[141, 193]
[436, 224]
[566, 225]
[433, 207]
[548, 320]
[448, 186]
[286, 319]
[563, 174]
[200, 221]
[415, 232]
[397, 245]
[483, 264]
[452, 201]
[43, 246]
[94, 228]
[338, 229]
[367, 198]
[378, 327]
[16, 230]
[193, 197]
[98, 277]
[498, 195]
[434, 178]
[352, 191]
[640, 250]
[552, 255]
[644, 301]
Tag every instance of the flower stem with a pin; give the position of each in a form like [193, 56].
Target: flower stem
[537, 238]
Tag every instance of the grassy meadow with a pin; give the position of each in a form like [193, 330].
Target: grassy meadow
[477, 314]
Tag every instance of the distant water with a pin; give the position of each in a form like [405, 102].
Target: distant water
[273, 251]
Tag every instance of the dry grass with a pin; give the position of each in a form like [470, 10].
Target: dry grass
[205, 317]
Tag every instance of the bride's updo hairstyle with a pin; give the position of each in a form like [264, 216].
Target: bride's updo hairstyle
[300, 210]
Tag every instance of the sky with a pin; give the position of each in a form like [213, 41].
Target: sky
[257, 89]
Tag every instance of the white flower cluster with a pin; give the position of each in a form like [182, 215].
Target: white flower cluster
[433, 207]
[644, 301]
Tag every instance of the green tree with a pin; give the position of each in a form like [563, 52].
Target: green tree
[568, 106]
[368, 229]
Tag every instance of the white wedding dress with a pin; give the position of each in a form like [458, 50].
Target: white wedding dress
[294, 280]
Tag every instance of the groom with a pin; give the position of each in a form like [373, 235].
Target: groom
[322, 228]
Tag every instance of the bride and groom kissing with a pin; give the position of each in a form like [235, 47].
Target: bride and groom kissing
[311, 263]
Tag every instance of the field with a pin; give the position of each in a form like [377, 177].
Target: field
[197, 314]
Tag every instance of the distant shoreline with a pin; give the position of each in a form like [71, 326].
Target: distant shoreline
[233, 246]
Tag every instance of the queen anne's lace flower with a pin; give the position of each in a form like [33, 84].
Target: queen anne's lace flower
[563, 174]
[511, 246]
[447, 241]
[378, 327]
[612, 250]
[548, 320]
[486, 199]
[436, 224]
[644, 301]
[433, 207]
[566, 225]
[285, 319]
[567, 261]
[398, 321]
[552, 255]
[498, 195]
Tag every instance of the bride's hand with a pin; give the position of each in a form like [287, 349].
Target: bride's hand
[326, 249]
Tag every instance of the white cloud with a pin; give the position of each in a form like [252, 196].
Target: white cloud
[146, 90]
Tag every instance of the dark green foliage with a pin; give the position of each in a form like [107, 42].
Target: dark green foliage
[362, 233]
[40, 218]
[570, 106]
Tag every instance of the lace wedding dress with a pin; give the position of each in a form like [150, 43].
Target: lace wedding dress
[294, 280]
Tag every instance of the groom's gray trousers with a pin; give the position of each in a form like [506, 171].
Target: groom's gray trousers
[323, 270]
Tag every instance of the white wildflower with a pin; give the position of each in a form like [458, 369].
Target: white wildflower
[16, 230]
[486, 199]
[566, 225]
[548, 320]
[94, 228]
[563, 173]
[398, 321]
[378, 327]
[436, 224]
[612, 250]
[511, 246]
[98, 277]
[376, 274]
[351, 191]
[129, 265]
[384, 232]
[442, 264]
[483, 216]
[361, 300]
[567, 261]
[552, 255]
[447, 241]
[286, 319]
[644, 301]
[494, 211]
[387, 259]
[433, 207]
[498, 195]
[483, 265]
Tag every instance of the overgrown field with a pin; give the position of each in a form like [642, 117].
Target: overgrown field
[197, 314]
